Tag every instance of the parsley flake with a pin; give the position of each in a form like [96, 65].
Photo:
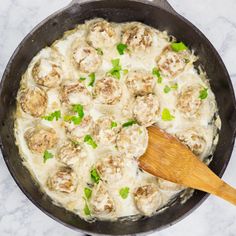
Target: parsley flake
[121, 48]
[115, 71]
[94, 176]
[156, 72]
[113, 124]
[99, 51]
[47, 155]
[79, 109]
[129, 123]
[166, 115]
[177, 47]
[166, 89]
[86, 210]
[82, 78]
[203, 93]
[124, 192]
[50, 117]
[89, 140]
[92, 79]
[88, 193]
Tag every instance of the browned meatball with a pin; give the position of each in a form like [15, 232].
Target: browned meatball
[137, 37]
[70, 153]
[108, 90]
[140, 82]
[40, 139]
[110, 168]
[75, 93]
[86, 59]
[148, 199]
[101, 203]
[101, 34]
[63, 180]
[47, 73]
[33, 101]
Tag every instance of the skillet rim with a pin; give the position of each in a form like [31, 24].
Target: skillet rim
[197, 31]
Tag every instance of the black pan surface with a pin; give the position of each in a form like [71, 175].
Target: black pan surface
[159, 15]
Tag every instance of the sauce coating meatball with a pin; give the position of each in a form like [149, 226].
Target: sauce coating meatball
[40, 139]
[108, 90]
[171, 63]
[78, 132]
[75, 93]
[188, 101]
[137, 37]
[110, 168]
[63, 180]
[193, 139]
[169, 186]
[33, 101]
[140, 82]
[147, 199]
[70, 153]
[47, 73]
[101, 34]
[132, 141]
[101, 203]
[146, 109]
[106, 130]
[86, 59]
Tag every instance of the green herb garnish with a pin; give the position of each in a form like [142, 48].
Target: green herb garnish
[89, 140]
[115, 71]
[166, 116]
[92, 79]
[203, 93]
[94, 176]
[86, 210]
[82, 78]
[177, 47]
[174, 86]
[113, 124]
[88, 193]
[124, 192]
[121, 48]
[50, 117]
[78, 108]
[47, 155]
[156, 72]
[166, 89]
[125, 71]
[129, 123]
[99, 51]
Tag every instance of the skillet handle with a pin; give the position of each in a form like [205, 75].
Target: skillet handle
[164, 4]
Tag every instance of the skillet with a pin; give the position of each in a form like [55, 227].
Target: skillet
[158, 14]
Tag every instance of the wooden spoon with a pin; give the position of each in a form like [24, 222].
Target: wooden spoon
[166, 157]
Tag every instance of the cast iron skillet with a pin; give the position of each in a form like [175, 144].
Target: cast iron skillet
[158, 14]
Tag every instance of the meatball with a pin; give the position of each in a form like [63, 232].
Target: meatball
[77, 132]
[193, 139]
[137, 37]
[75, 93]
[171, 63]
[63, 180]
[132, 141]
[86, 59]
[140, 82]
[70, 153]
[101, 34]
[104, 131]
[40, 139]
[110, 168]
[47, 73]
[146, 109]
[148, 199]
[188, 101]
[168, 186]
[108, 90]
[33, 101]
[101, 203]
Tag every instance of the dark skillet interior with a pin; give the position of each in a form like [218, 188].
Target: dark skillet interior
[118, 11]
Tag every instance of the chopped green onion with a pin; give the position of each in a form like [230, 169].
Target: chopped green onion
[203, 93]
[124, 192]
[89, 140]
[99, 51]
[115, 71]
[86, 210]
[79, 109]
[94, 176]
[92, 79]
[47, 155]
[55, 114]
[166, 115]
[177, 47]
[113, 124]
[156, 72]
[76, 120]
[82, 78]
[121, 48]
[129, 123]
[88, 193]
[166, 89]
